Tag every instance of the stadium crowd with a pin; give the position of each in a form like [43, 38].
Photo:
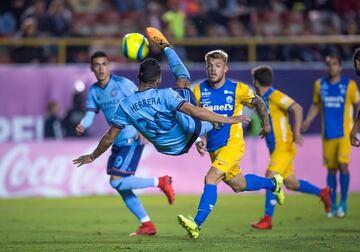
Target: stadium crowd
[180, 19]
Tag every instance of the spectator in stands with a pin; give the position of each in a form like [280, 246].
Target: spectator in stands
[52, 124]
[174, 18]
[38, 11]
[59, 18]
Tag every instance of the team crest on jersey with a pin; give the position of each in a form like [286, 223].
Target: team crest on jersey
[229, 99]
[114, 92]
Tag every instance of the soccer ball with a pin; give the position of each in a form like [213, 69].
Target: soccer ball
[135, 46]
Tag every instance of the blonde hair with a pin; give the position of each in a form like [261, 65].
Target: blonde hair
[217, 54]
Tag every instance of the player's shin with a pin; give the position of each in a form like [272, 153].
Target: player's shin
[270, 203]
[255, 183]
[306, 187]
[344, 184]
[331, 182]
[134, 205]
[176, 65]
[207, 202]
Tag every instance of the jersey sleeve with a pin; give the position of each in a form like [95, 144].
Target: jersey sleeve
[120, 118]
[244, 94]
[91, 104]
[173, 100]
[354, 92]
[196, 92]
[316, 96]
[283, 101]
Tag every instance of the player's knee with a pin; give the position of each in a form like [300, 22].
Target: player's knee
[292, 186]
[116, 184]
[238, 188]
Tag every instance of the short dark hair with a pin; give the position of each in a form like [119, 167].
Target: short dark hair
[98, 54]
[149, 71]
[334, 56]
[356, 57]
[263, 74]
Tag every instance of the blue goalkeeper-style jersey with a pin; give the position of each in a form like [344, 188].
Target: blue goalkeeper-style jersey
[154, 113]
[337, 102]
[107, 99]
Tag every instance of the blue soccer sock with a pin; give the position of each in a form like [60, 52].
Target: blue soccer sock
[306, 187]
[132, 182]
[344, 184]
[331, 182]
[255, 183]
[134, 205]
[176, 65]
[270, 203]
[207, 202]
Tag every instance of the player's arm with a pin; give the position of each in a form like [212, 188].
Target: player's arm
[260, 106]
[297, 112]
[106, 141]
[313, 112]
[207, 115]
[85, 123]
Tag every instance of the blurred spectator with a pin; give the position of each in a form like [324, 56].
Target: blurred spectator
[174, 19]
[73, 115]
[27, 54]
[59, 19]
[52, 124]
[84, 6]
[38, 10]
[129, 5]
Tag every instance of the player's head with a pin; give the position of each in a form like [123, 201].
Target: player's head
[150, 72]
[333, 65]
[99, 65]
[216, 66]
[262, 76]
[356, 59]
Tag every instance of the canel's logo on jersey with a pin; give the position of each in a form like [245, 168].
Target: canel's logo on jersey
[224, 107]
[333, 101]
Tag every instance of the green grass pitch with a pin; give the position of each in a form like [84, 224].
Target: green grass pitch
[103, 224]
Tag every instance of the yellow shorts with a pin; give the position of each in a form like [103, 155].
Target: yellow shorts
[336, 151]
[281, 161]
[227, 159]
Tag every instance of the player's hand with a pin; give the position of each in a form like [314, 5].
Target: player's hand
[298, 139]
[201, 148]
[141, 139]
[83, 160]
[354, 138]
[79, 129]
[239, 119]
[264, 131]
[305, 126]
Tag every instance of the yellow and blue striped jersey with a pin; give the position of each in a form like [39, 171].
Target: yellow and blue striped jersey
[228, 101]
[278, 104]
[337, 102]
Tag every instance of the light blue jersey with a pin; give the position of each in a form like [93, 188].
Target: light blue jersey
[107, 99]
[154, 112]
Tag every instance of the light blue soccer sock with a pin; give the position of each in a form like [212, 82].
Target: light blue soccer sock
[207, 202]
[132, 182]
[134, 205]
[306, 187]
[331, 182]
[176, 65]
[270, 203]
[344, 184]
[255, 183]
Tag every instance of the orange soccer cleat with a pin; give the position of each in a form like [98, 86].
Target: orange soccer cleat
[264, 223]
[165, 185]
[147, 228]
[325, 198]
[157, 37]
